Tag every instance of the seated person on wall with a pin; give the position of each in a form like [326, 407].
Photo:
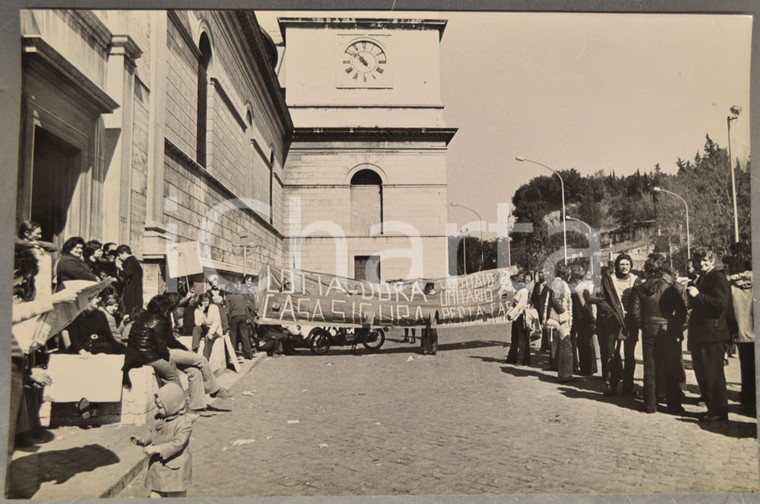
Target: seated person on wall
[90, 333]
[200, 377]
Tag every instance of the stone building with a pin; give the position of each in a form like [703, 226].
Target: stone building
[365, 179]
[153, 127]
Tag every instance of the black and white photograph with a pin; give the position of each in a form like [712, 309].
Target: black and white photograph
[379, 253]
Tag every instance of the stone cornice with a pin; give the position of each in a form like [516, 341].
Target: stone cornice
[71, 76]
[124, 45]
[374, 134]
[255, 42]
[363, 23]
[93, 26]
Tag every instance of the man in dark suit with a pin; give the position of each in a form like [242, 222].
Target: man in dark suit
[131, 274]
[708, 332]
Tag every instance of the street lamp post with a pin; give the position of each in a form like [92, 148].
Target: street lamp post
[735, 111]
[688, 237]
[480, 221]
[562, 185]
[245, 247]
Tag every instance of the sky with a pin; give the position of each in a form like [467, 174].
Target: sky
[610, 92]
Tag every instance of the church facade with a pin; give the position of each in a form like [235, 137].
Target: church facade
[151, 128]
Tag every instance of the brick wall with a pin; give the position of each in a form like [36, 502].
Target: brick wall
[140, 139]
[181, 92]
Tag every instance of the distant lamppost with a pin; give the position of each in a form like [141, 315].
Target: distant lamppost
[480, 220]
[562, 184]
[735, 111]
[688, 237]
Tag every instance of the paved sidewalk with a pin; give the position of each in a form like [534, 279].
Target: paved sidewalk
[77, 463]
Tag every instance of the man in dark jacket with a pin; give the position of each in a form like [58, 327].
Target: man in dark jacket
[613, 327]
[241, 310]
[538, 300]
[708, 332]
[131, 273]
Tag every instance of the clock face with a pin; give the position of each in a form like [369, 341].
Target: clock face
[364, 62]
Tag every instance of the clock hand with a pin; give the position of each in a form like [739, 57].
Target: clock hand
[364, 62]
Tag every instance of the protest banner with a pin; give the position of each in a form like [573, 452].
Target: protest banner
[288, 296]
[46, 325]
[183, 259]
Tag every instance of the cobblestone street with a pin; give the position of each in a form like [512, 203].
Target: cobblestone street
[461, 422]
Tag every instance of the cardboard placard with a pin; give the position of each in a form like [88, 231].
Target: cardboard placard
[183, 259]
[97, 378]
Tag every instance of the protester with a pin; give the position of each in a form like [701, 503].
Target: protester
[429, 336]
[410, 338]
[71, 265]
[657, 308]
[741, 321]
[148, 339]
[214, 322]
[92, 253]
[241, 310]
[558, 316]
[538, 300]
[168, 445]
[90, 333]
[28, 302]
[613, 327]
[584, 322]
[110, 308]
[519, 347]
[708, 332]
[131, 274]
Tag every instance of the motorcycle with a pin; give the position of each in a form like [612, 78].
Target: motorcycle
[322, 338]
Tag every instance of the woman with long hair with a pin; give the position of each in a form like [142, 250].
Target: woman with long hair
[658, 309]
[559, 319]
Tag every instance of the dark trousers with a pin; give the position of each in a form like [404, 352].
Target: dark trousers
[519, 346]
[585, 345]
[429, 341]
[240, 334]
[612, 363]
[546, 343]
[662, 366]
[707, 360]
[747, 364]
[406, 334]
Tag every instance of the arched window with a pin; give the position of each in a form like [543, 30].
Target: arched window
[366, 201]
[203, 66]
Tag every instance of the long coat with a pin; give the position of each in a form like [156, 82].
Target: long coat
[171, 469]
[132, 274]
[707, 323]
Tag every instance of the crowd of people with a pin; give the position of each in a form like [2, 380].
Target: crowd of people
[117, 321]
[713, 308]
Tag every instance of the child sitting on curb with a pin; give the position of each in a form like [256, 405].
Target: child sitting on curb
[170, 467]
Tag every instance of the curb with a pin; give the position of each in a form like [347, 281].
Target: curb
[142, 464]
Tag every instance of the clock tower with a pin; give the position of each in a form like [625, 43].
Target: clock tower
[364, 184]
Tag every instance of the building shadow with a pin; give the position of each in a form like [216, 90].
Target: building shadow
[27, 474]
